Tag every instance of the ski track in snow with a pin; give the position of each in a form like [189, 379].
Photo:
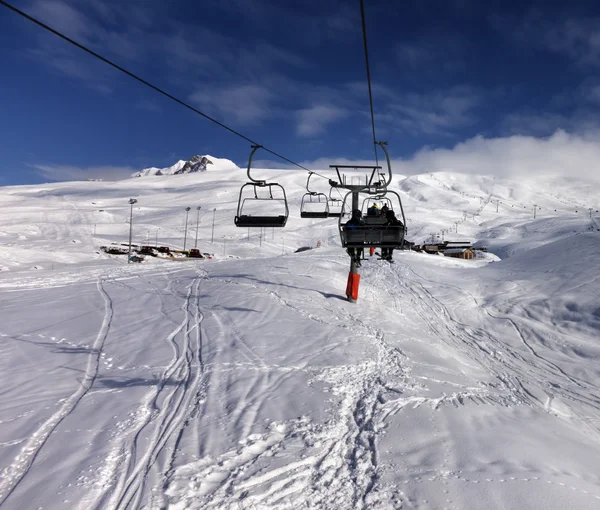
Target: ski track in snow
[338, 462]
[339, 466]
[519, 376]
[16, 472]
[140, 473]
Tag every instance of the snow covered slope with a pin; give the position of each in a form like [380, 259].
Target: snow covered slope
[247, 381]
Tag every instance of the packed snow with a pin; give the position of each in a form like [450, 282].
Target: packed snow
[247, 381]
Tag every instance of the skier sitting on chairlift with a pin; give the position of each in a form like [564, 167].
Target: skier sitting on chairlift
[386, 253]
[351, 224]
[373, 210]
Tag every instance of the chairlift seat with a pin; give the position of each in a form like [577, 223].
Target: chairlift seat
[246, 220]
[315, 214]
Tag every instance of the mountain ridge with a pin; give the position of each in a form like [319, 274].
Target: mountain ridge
[198, 163]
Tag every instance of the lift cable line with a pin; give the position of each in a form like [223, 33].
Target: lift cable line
[141, 80]
[364, 31]
[157, 89]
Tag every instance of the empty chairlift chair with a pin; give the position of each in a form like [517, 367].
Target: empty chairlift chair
[314, 205]
[261, 203]
[335, 205]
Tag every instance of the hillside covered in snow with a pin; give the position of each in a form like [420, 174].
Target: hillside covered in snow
[247, 380]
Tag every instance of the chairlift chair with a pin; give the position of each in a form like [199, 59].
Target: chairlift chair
[308, 209]
[247, 201]
[369, 202]
[335, 205]
[314, 198]
[377, 235]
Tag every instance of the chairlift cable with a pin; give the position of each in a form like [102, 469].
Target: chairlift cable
[141, 80]
[364, 31]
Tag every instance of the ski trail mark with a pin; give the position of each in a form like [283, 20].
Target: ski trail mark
[16, 472]
[163, 416]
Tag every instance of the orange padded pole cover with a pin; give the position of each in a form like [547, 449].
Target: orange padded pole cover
[352, 285]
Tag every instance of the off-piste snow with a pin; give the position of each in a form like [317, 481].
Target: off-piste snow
[247, 381]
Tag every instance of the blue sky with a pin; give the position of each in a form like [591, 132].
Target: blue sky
[290, 75]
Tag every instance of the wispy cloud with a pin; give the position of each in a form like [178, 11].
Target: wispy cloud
[589, 91]
[336, 20]
[575, 37]
[147, 105]
[432, 113]
[74, 173]
[534, 124]
[431, 55]
[74, 20]
[243, 105]
[313, 121]
[68, 62]
[63, 17]
[243, 82]
[578, 116]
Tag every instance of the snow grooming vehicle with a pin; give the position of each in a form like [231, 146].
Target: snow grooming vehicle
[314, 205]
[262, 197]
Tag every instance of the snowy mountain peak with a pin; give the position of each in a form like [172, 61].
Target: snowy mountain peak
[198, 163]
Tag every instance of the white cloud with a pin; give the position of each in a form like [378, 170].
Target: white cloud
[535, 124]
[437, 112]
[313, 121]
[579, 121]
[149, 106]
[81, 22]
[62, 17]
[183, 57]
[589, 91]
[414, 55]
[560, 155]
[431, 55]
[575, 37]
[244, 104]
[74, 173]
[336, 20]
